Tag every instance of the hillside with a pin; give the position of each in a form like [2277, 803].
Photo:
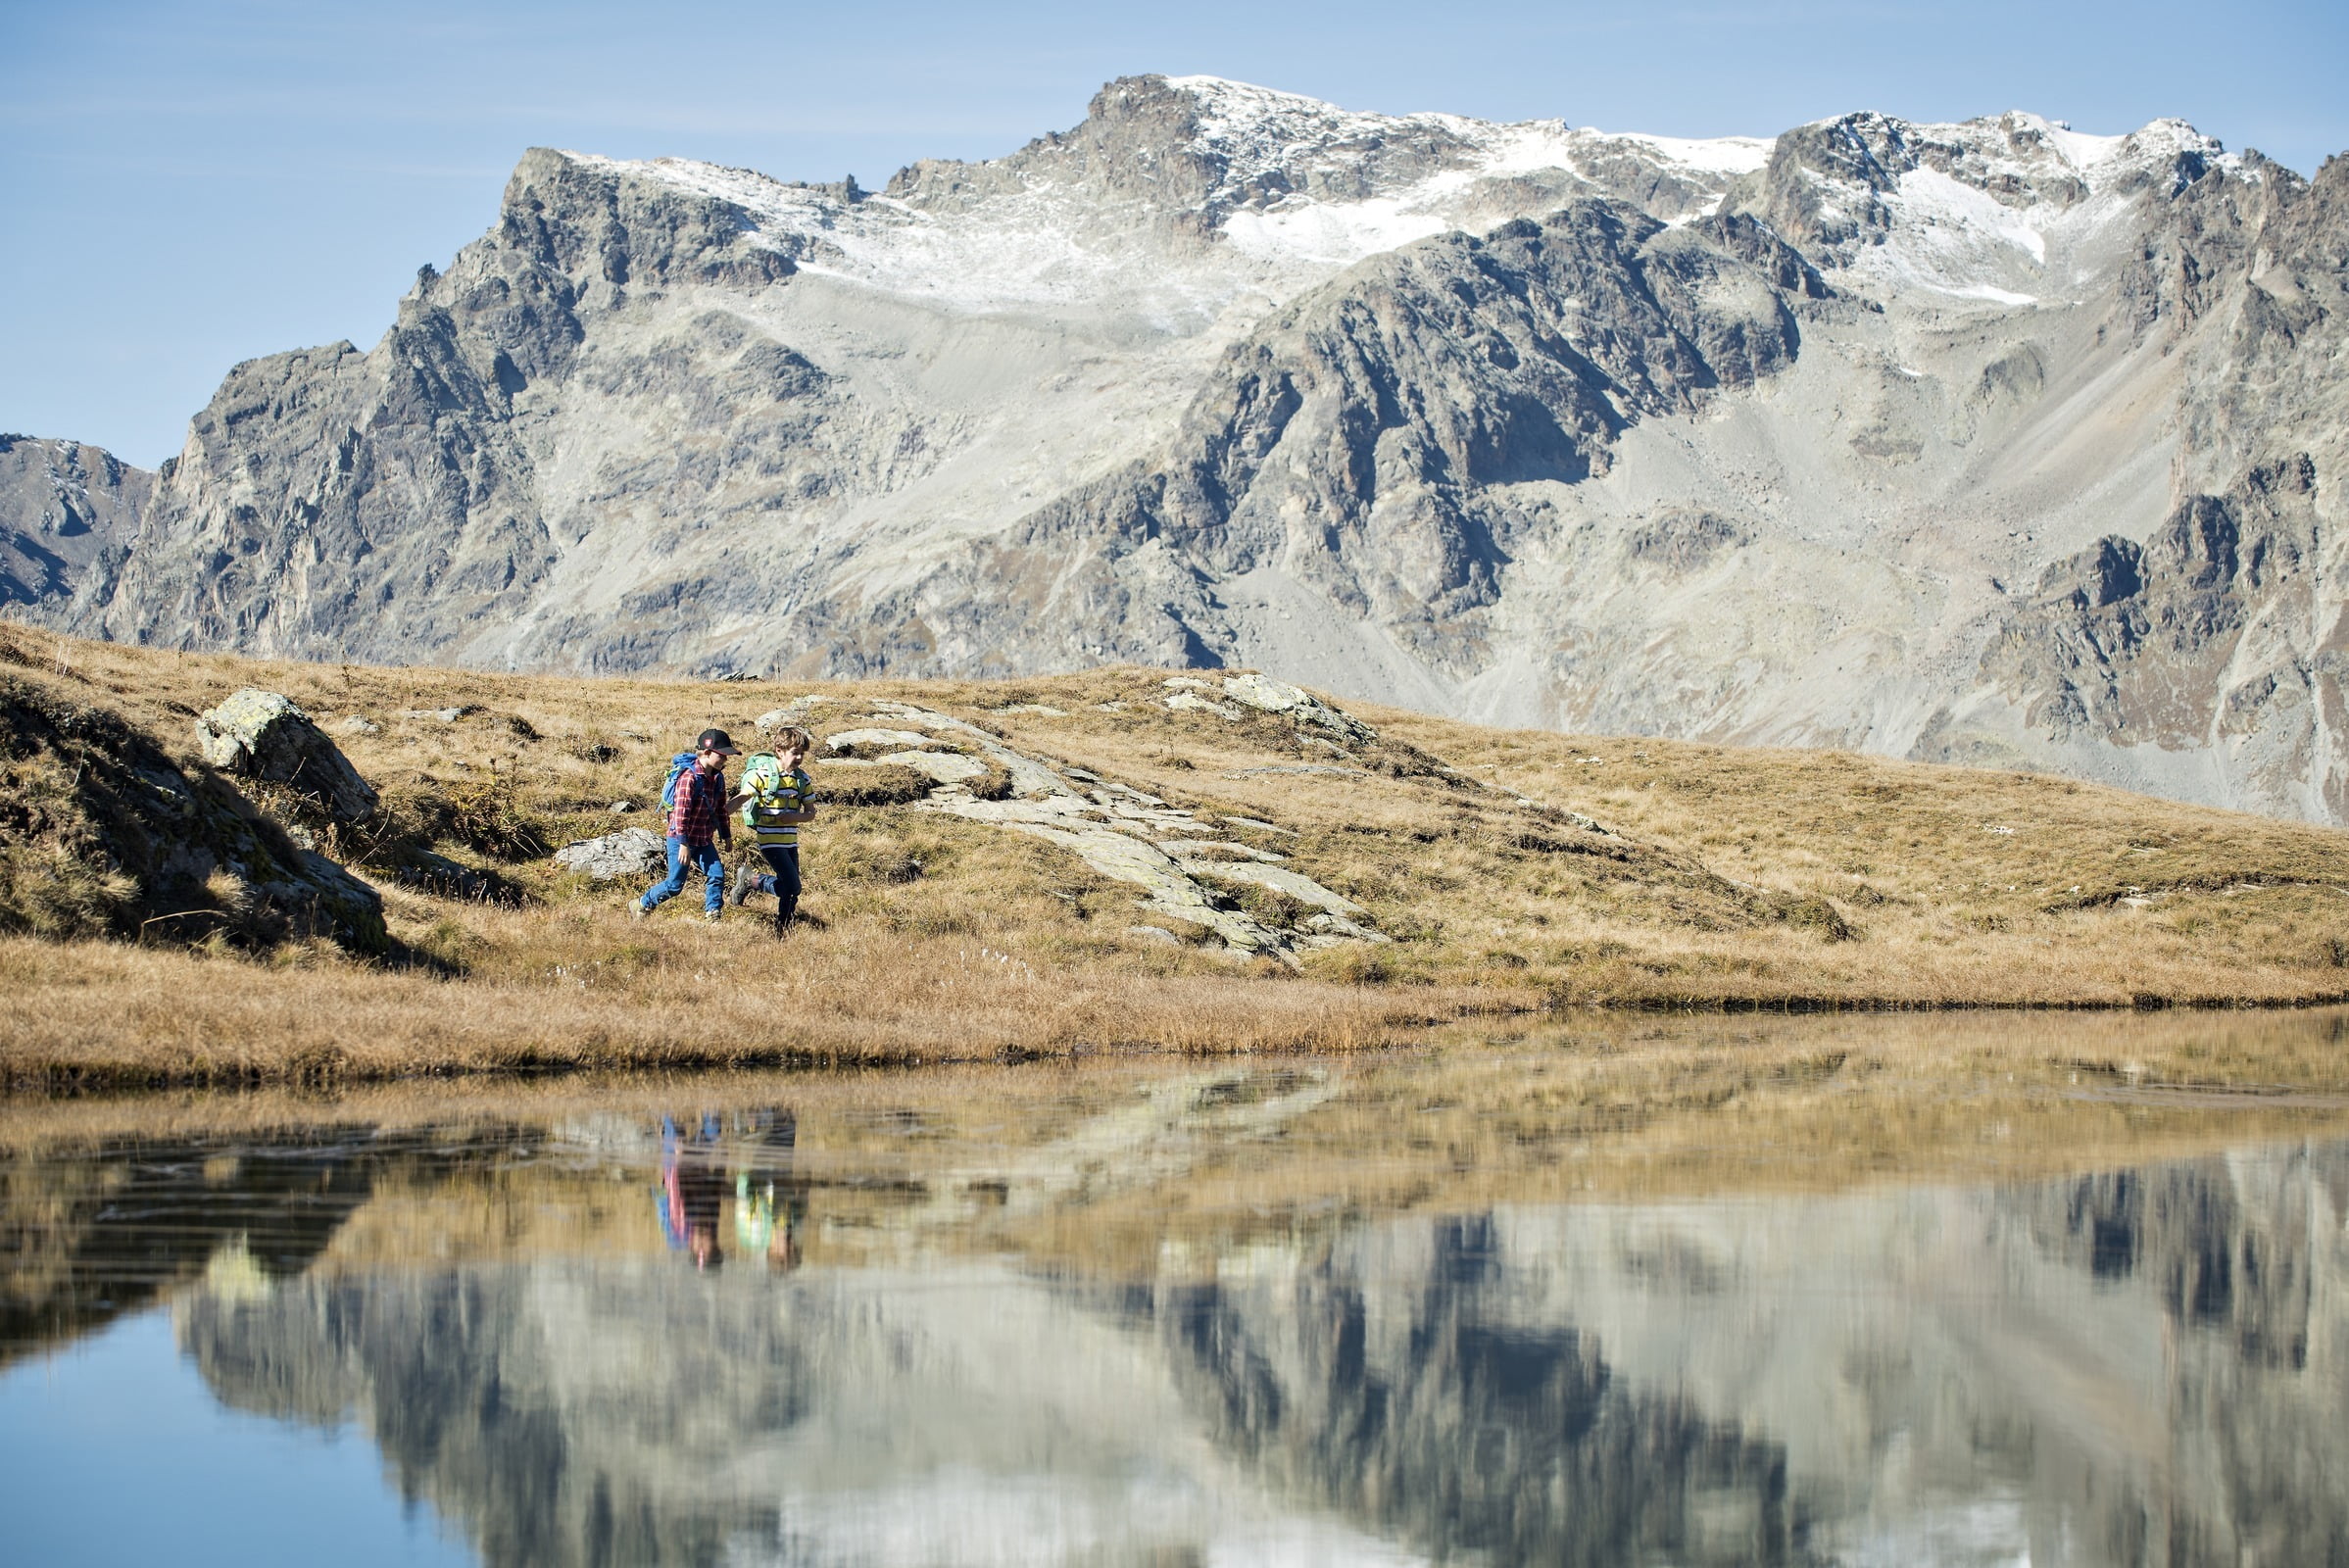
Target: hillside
[1132, 861]
[1993, 442]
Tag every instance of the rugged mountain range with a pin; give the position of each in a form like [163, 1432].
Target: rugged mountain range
[1989, 442]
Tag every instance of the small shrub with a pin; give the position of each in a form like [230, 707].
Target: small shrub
[1356, 963]
[1282, 911]
[992, 785]
[1412, 927]
[889, 784]
[487, 815]
[1815, 914]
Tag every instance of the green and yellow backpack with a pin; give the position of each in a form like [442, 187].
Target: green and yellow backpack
[762, 779]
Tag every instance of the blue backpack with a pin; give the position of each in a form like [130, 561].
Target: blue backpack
[677, 765]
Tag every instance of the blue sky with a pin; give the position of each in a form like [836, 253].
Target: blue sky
[183, 186]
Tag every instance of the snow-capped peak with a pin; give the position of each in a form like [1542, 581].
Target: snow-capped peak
[1259, 133]
[1296, 187]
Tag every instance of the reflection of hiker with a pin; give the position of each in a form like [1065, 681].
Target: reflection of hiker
[693, 1191]
[775, 799]
[697, 819]
[770, 1209]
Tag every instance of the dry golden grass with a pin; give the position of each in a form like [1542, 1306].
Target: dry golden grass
[89, 1016]
[1734, 878]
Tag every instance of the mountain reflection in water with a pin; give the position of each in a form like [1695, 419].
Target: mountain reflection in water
[874, 1335]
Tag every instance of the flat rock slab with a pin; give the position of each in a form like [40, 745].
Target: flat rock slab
[1206, 705]
[849, 738]
[632, 851]
[947, 767]
[263, 735]
[1301, 769]
[1125, 858]
[1118, 831]
[1300, 887]
[1028, 776]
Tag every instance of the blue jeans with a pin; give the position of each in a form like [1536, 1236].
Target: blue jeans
[683, 858]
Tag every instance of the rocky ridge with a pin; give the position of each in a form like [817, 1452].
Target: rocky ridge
[62, 505]
[1810, 440]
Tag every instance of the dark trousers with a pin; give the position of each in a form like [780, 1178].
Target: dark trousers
[781, 878]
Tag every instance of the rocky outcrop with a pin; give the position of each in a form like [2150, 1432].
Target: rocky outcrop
[630, 853]
[102, 833]
[67, 511]
[263, 735]
[2197, 642]
[322, 487]
[1177, 859]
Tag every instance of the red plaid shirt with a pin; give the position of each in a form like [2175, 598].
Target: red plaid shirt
[700, 814]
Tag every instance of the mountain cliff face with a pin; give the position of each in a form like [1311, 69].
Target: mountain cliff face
[1991, 442]
[63, 506]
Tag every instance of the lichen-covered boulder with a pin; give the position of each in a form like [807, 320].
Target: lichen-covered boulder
[1278, 697]
[632, 851]
[263, 735]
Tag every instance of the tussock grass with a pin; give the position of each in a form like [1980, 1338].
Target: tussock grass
[91, 1015]
[1729, 878]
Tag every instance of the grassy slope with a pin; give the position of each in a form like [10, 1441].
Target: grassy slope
[1739, 876]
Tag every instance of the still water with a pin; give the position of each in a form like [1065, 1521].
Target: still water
[1468, 1305]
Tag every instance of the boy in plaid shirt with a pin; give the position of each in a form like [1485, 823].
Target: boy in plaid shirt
[694, 824]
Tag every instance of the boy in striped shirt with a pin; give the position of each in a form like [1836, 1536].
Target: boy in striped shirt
[775, 821]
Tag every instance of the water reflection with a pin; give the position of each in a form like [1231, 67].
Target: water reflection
[892, 1342]
[768, 1207]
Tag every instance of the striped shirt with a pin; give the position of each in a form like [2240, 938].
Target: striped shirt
[792, 795]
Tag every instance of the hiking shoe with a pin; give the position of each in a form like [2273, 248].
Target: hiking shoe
[738, 887]
[711, 916]
[637, 909]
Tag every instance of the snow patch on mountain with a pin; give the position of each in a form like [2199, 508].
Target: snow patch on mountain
[1301, 189]
[1037, 243]
[1332, 233]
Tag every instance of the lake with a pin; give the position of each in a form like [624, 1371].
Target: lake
[1691, 1293]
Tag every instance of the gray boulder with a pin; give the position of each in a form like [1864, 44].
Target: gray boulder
[1278, 697]
[264, 735]
[632, 851]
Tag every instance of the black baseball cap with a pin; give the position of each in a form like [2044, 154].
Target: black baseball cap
[716, 740]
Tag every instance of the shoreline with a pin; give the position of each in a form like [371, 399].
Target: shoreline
[61, 1078]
